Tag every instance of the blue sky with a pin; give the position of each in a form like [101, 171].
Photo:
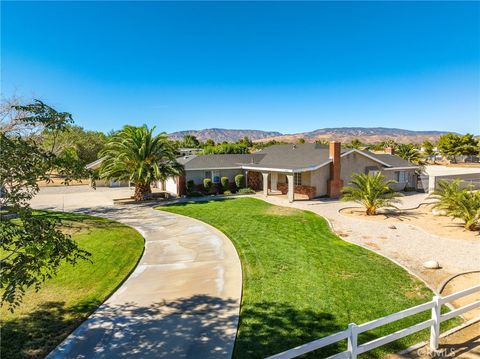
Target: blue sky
[284, 66]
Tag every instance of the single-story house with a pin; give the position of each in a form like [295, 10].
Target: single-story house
[302, 170]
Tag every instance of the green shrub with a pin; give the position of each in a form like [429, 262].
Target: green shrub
[247, 190]
[195, 194]
[240, 181]
[207, 184]
[190, 186]
[227, 193]
[225, 185]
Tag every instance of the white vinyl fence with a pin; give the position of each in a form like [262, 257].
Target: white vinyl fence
[351, 333]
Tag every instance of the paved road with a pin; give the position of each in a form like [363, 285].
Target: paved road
[181, 301]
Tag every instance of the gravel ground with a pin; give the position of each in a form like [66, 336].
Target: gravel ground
[403, 242]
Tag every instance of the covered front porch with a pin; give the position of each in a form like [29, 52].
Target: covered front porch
[293, 185]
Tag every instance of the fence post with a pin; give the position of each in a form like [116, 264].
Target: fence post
[435, 328]
[352, 340]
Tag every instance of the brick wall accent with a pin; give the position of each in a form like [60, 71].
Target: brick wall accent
[308, 191]
[255, 180]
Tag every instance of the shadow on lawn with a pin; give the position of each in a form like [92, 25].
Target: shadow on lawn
[200, 326]
[268, 328]
[34, 334]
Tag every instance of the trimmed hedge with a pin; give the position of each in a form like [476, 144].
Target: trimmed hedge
[240, 181]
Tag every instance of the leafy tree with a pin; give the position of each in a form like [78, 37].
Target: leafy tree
[209, 142]
[356, 143]
[245, 141]
[301, 140]
[389, 143]
[226, 148]
[136, 155]
[32, 246]
[81, 144]
[408, 152]
[190, 141]
[452, 145]
[371, 191]
[260, 145]
[459, 202]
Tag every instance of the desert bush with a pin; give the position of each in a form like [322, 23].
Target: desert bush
[459, 201]
[240, 181]
[371, 191]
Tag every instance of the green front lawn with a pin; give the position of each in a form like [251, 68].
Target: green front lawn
[45, 318]
[301, 282]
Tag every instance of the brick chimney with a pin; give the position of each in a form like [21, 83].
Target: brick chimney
[389, 150]
[335, 183]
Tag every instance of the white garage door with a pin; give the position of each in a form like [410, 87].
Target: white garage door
[171, 185]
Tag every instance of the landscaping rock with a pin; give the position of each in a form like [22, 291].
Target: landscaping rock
[392, 227]
[431, 264]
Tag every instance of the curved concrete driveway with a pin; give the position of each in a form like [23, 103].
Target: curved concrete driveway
[181, 301]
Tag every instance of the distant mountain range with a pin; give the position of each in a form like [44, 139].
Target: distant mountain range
[343, 134]
[222, 134]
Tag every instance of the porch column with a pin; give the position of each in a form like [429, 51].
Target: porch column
[265, 183]
[290, 188]
[274, 180]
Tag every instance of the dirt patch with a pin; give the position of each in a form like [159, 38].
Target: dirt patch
[372, 245]
[422, 218]
[281, 211]
[460, 283]
[463, 344]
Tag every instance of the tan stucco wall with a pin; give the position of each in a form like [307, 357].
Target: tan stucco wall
[400, 186]
[198, 176]
[356, 163]
[319, 179]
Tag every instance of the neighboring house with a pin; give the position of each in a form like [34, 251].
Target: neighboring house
[95, 165]
[302, 170]
[431, 175]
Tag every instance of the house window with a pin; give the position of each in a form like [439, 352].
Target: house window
[297, 179]
[216, 176]
[213, 175]
[401, 176]
[373, 172]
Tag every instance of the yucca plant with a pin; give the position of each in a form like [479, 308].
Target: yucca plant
[459, 201]
[372, 191]
[136, 155]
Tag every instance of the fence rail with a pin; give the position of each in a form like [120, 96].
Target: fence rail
[351, 333]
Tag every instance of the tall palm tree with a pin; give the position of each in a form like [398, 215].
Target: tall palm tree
[408, 152]
[136, 155]
[372, 191]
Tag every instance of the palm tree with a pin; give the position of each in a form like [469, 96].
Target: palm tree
[134, 154]
[408, 152]
[372, 191]
[457, 202]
